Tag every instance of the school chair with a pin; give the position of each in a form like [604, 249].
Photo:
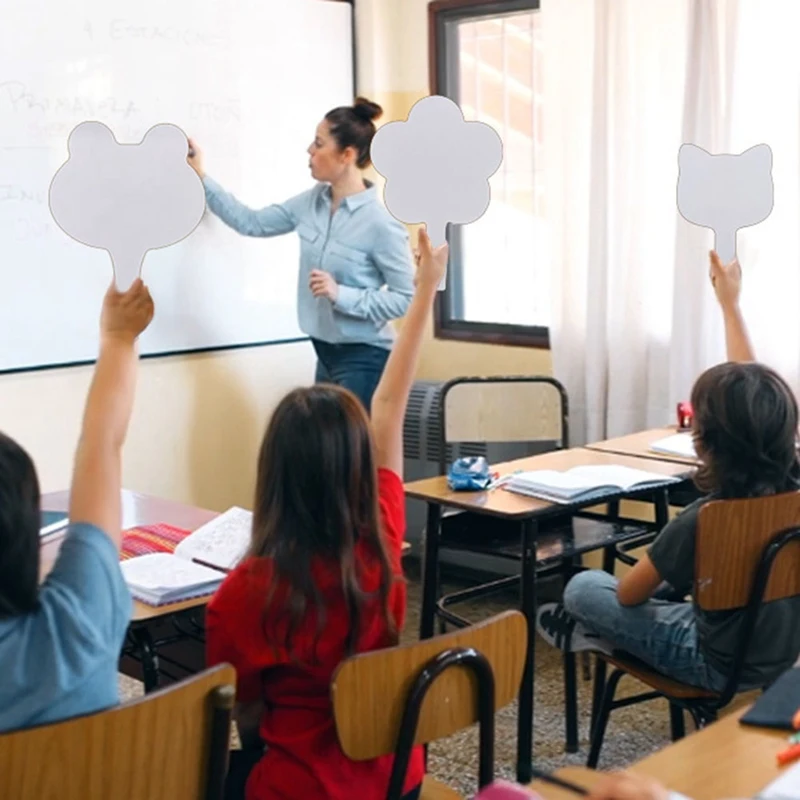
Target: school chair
[171, 744]
[523, 415]
[388, 701]
[747, 554]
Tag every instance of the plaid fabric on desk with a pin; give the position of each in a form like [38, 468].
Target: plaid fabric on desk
[144, 539]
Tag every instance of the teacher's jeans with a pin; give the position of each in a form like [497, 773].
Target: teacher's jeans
[357, 367]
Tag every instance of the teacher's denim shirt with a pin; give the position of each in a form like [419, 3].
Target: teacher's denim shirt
[362, 246]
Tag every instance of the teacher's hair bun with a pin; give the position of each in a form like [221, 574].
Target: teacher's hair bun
[366, 109]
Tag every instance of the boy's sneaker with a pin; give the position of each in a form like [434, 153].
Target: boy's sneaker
[563, 632]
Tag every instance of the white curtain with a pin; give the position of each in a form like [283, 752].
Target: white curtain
[634, 318]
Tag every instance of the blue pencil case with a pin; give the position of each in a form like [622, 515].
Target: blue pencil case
[469, 474]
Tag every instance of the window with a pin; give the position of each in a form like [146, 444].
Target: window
[486, 56]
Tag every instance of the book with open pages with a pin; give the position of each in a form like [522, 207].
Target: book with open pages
[580, 484]
[198, 564]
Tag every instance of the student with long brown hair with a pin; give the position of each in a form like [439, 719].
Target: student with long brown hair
[323, 579]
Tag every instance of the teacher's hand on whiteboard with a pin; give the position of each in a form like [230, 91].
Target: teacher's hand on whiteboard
[195, 158]
[126, 314]
[322, 284]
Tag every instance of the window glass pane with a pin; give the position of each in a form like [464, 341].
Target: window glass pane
[503, 255]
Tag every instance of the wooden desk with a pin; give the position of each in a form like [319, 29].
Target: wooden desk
[137, 509]
[638, 445]
[527, 511]
[500, 503]
[151, 626]
[725, 760]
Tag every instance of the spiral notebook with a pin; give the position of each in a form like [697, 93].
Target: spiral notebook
[188, 566]
[162, 578]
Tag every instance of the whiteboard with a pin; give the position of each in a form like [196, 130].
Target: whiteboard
[248, 79]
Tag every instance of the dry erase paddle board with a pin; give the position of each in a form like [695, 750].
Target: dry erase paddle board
[127, 198]
[725, 192]
[437, 166]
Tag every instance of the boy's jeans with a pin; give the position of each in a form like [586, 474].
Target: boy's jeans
[661, 634]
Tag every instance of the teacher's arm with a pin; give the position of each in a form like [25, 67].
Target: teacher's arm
[391, 254]
[273, 220]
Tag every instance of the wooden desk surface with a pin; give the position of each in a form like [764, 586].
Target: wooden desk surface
[499, 502]
[725, 760]
[638, 444]
[137, 509]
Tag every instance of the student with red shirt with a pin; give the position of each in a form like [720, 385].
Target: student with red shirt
[323, 578]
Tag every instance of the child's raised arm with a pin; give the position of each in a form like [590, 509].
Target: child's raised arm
[391, 396]
[96, 477]
[727, 282]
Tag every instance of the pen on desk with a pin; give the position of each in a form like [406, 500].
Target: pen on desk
[501, 480]
[789, 754]
[545, 777]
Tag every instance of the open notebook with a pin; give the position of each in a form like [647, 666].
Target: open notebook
[198, 564]
[680, 444]
[579, 484]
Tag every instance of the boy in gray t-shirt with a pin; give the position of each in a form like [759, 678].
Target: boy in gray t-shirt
[744, 430]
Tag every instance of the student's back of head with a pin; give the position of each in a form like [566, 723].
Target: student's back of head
[316, 497]
[745, 430]
[19, 530]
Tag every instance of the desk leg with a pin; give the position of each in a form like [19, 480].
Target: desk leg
[662, 508]
[148, 655]
[528, 604]
[430, 575]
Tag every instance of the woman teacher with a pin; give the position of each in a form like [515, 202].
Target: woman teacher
[355, 259]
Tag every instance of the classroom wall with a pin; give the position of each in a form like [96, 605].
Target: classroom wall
[393, 69]
[196, 427]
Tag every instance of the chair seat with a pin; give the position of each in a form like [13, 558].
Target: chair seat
[434, 790]
[661, 683]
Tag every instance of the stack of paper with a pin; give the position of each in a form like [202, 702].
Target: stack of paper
[785, 787]
[680, 445]
[580, 484]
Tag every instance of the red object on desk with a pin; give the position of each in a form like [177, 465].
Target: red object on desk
[157, 538]
[789, 754]
[685, 416]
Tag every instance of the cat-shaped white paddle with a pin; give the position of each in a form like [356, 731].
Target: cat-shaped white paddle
[725, 192]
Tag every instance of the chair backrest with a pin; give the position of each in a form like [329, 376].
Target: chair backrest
[732, 536]
[370, 690]
[505, 409]
[171, 744]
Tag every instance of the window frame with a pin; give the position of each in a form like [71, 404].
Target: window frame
[446, 324]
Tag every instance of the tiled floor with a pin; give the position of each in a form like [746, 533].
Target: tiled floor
[632, 733]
